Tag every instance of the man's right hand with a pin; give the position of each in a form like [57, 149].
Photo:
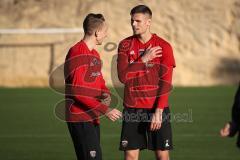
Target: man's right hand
[113, 114]
[225, 131]
[151, 53]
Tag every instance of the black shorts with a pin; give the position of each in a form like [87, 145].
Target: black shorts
[136, 132]
[86, 140]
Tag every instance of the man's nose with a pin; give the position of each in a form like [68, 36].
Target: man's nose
[134, 23]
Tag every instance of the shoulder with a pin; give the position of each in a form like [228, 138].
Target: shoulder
[126, 43]
[128, 39]
[164, 43]
[167, 54]
[77, 49]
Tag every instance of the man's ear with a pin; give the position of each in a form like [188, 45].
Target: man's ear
[149, 21]
[96, 33]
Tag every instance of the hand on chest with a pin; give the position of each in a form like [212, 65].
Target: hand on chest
[135, 53]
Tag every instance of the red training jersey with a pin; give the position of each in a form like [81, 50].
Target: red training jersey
[84, 84]
[146, 85]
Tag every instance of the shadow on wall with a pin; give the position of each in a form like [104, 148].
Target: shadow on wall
[228, 71]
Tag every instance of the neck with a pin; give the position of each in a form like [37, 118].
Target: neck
[145, 37]
[90, 42]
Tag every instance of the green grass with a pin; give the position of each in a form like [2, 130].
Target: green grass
[30, 131]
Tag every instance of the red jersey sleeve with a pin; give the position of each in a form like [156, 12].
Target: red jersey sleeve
[162, 100]
[169, 62]
[167, 55]
[103, 86]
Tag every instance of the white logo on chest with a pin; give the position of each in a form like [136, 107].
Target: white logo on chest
[141, 52]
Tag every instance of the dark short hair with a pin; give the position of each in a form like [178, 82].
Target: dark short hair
[141, 9]
[92, 22]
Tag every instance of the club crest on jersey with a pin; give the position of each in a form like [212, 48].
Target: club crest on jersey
[94, 62]
[141, 52]
[93, 154]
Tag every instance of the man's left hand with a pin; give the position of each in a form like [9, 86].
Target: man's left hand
[156, 120]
